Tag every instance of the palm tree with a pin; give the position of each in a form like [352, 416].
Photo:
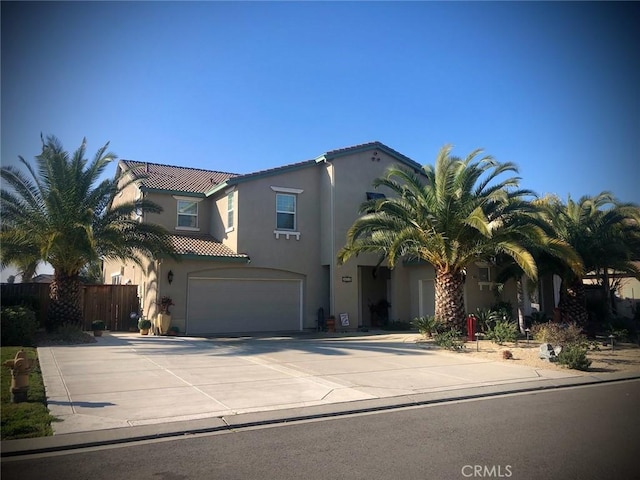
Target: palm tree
[450, 215]
[549, 256]
[606, 235]
[61, 213]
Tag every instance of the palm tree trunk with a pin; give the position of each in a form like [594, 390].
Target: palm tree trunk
[606, 289]
[449, 288]
[573, 304]
[520, 297]
[64, 306]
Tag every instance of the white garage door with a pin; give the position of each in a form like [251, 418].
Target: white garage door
[235, 305]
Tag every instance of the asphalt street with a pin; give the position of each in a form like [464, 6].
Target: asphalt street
[588, 432]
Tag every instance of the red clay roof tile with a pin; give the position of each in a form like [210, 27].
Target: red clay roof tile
[169, 177]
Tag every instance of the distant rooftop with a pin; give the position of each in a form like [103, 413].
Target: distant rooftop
[169, 177]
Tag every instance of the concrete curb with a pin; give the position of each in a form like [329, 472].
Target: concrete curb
[72, 441]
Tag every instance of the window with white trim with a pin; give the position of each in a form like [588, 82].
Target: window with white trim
[116, 279]
[229, 210]
[188, 214]
[484, 274]
[285, 211]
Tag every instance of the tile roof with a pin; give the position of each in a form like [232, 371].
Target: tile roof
[202, 246]
[181, 179]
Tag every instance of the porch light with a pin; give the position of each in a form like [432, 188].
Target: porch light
[170, 276]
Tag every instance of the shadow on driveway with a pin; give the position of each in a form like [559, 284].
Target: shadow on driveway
[260, 345]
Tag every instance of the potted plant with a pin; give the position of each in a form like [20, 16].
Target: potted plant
[173, 330]
[97, 326]
[164, 317]
[144, 325]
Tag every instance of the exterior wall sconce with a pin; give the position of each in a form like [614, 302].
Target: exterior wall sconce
[170, 277]
[346, 279]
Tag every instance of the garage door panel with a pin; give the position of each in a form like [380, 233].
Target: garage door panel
[243, 305]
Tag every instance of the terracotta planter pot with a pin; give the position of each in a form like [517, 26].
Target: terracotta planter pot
[163, 323]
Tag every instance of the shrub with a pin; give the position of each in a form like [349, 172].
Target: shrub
[504, 310]
[18, 325]
[558, 334]
[574, 356]
[503, 331]
[427, 326]
[98, 325]
[487, 319]
[622, 328]
[144, 324]
[449, 339]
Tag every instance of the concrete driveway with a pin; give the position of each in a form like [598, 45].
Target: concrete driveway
[128, 380]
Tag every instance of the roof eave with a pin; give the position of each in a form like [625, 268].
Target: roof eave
[214, 258]
[172, 192]
[328, 156]
[217, 188]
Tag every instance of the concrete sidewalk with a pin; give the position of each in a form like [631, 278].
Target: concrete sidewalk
[129, 386]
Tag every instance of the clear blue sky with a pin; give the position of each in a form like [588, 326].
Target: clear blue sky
[553, 87]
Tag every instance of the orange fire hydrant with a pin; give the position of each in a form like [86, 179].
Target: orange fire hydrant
[20, 367]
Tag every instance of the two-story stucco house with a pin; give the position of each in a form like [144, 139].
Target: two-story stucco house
[258, 251]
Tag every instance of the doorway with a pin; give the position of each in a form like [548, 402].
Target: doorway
[374, 301]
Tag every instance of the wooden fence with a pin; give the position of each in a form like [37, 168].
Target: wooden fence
[111, 303]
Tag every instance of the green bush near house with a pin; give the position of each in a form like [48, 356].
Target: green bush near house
[28, 419]
[98, 325]
[486, 319]
[558, 334]
[144, 324]
[574, 356]
[450, 339]
[427, 325]
[503, 331]
[18, 325]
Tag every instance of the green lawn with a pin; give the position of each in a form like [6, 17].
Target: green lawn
[28, 419]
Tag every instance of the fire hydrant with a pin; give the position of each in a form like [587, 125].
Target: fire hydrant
[20, 367]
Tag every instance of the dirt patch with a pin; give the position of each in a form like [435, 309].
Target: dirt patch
[625, 357]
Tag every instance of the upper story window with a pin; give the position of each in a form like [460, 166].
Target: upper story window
[286, 211]
[229, 210]
[187, 213]
[484, 274]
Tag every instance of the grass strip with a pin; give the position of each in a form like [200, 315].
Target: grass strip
[28, 419]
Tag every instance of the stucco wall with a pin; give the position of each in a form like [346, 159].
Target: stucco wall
[256, 213]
